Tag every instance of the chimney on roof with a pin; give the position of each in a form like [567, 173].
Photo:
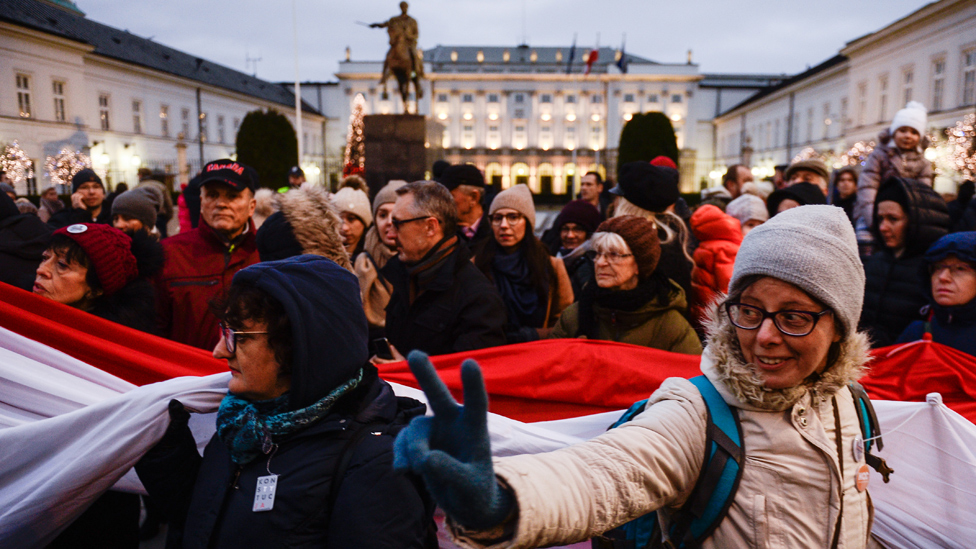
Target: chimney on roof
[689, 57]
[348, 53]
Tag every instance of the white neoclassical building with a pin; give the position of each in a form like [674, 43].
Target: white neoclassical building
[928, 56]
[69, 82]
[535, 115]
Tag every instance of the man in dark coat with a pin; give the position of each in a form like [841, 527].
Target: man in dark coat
[201, 263]
[441, 303]
[893, 297]
[88, 202]
[23, 238]
[306, 410]
[467, 187]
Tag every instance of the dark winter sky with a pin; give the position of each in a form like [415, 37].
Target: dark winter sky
[771, 36]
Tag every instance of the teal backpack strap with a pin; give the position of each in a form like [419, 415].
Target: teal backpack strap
[870, 429]
[713, 492]
[721, 471]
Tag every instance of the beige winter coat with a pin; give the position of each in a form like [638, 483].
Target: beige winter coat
[792, 488]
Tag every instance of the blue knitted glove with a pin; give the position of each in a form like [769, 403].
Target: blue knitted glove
[451, 451]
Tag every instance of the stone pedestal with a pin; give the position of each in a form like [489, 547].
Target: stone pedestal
[394, 148]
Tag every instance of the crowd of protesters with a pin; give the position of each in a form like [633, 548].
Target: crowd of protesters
[441, 266]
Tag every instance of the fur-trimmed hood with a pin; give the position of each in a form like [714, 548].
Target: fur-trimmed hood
[315, 222]
[723, 362]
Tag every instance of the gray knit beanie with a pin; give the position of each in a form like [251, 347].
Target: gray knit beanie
[747, 207]
[354, 201]
[141, 203]
[518, 198]
[813, 248]
[387, 194]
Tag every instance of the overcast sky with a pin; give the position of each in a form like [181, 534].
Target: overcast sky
[769, 36]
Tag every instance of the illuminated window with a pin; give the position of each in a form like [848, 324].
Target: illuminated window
[103, 112]
[164, 120]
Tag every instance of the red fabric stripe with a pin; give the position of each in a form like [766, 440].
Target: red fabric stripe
[134, 356]
[556, 379]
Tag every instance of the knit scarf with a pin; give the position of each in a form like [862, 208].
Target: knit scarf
[423, 271]
[653, 287]
[514, 283]
[250, 428]
[378, 252]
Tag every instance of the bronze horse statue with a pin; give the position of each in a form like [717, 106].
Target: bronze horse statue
[403, 60]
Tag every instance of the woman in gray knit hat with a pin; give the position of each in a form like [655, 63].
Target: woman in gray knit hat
[782, 348]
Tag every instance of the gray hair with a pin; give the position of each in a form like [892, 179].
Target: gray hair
[433, 199]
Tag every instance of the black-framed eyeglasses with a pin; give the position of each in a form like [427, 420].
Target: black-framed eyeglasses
[397, 223]
[790, 322]
[230, 337]
[512, 218]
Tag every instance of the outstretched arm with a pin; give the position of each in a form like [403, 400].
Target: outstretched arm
[451, 451]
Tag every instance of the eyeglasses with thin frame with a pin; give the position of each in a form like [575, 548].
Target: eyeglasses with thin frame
[512, 218]
[956, 270]
[789, 322]
[397, 223]
[612, 257]
[230, 337]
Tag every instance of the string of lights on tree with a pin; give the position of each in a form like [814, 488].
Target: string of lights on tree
[15, 162]
[962, 147]
[63, 166]
[857, 154]
[354, 160]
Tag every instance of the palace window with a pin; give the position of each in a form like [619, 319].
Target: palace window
[185, 118]
[137, 116]
[24, 95]
[222, 135]
[164, 120]
[938, 84]
[103, 112]
[58, 89]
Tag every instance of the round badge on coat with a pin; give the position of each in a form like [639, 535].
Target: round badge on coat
[863, 476]
[858, 448]
[77, 228]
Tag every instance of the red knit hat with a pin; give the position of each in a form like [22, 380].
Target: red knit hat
[640, 236]
[109, 251]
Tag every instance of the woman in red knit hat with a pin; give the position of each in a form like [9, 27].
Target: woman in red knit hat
[101, 270]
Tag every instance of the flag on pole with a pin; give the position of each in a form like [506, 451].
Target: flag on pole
[590, 59]
[622, 56]
[572, 55]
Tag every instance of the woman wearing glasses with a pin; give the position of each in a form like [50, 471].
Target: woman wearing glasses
[303, 455]
[534, 285]
[782, 348]
[631, 301]
[949, 281]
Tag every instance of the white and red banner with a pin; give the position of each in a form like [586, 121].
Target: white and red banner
[81, 399]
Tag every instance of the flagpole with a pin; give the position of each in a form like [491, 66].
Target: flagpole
[298, 84]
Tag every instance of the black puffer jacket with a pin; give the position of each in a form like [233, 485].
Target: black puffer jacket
[458, 310]
[892, 296]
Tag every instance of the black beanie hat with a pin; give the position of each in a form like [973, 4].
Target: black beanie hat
[437, 170]
[892, 189]
[85, 176]
[646, 186]
[803, 193]
[581, 213]
[276, 240]
[462, 174]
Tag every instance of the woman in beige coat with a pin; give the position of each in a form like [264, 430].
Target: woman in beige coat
[379, 247]
[781, 349]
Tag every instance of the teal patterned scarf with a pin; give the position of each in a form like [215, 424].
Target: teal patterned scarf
[249, 428]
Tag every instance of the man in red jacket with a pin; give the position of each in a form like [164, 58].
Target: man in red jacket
[201, 263]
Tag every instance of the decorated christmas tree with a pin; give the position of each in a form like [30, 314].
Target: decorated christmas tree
[354, 160]
[63, 166]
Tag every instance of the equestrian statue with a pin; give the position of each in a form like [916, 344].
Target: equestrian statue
[403, 60]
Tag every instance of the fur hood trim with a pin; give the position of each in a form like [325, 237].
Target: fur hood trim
[314, 222]
[742, 379]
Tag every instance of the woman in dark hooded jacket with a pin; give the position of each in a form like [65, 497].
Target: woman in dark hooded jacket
[294, 461]
[948, 279]
[23, 238]
[908, 218]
